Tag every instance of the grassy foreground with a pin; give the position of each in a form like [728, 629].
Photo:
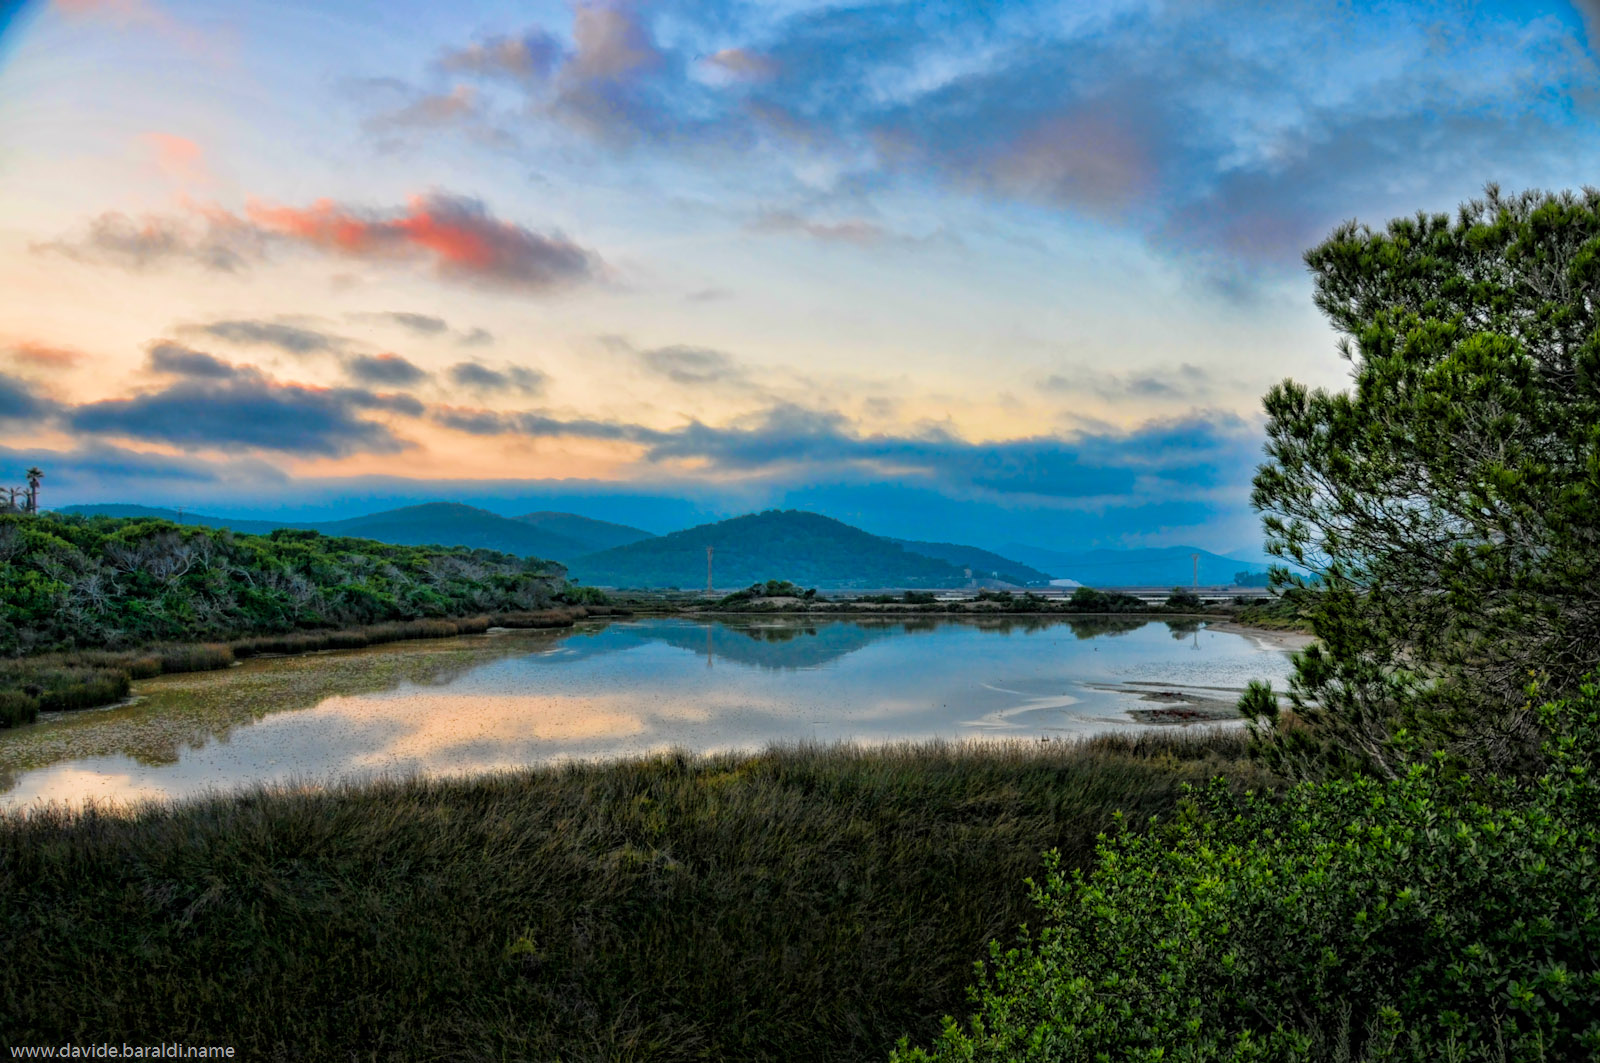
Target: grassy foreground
[810, 903]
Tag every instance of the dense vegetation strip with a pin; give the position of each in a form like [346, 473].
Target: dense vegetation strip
[800, 904]
[88, 604]
[1431, 917]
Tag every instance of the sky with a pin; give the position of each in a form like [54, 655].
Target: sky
[987, 272]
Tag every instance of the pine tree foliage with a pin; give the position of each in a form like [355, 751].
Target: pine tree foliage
[1449, 501]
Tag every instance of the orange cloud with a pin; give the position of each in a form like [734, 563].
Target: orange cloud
[457, 233]
[179, 158]
[44, 356]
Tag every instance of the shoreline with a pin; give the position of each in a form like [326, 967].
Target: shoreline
[1265, 637]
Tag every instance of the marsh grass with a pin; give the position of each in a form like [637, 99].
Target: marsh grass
[803, 903]
[84, 679]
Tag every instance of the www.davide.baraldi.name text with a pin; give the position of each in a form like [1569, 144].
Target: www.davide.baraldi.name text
[124, 1050]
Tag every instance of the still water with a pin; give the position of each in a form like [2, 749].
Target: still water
[624, 688]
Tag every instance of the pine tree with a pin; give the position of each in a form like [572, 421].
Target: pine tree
[1450, 499]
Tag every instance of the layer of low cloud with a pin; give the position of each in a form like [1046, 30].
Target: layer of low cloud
[508, 379]
[174, 359]
[19, 400]
[430, 326]
[294, 339]
[384, 370]
[787, 442]
[692, 365]
[250, 412]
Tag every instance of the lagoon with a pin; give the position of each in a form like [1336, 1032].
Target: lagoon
[626, 688]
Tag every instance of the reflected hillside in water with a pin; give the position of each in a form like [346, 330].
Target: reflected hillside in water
[795, 643]
[776, 644]
[626, 688]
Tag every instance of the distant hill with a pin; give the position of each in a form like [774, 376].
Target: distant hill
[553, 536]
[120, 509]
[808, 548]
[983, 563]
[453, 524]
[1164, 566]
[596, 535]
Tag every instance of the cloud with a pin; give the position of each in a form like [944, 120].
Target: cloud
[743, 64]
[214, 241]
[856, 231]
[1174, 458]
[429, 325]
[174, 359]
[1223, 141]
[19, 403]
[125, 475]
[691, 365]
[456, 233]
[251, 413]
[388, 369]
[45, 356]
[421, 324]
[179, 158]
[531, 56]
[1185, 381]
[475, 376]
[291, 338]
[437, 109]
[605, 85]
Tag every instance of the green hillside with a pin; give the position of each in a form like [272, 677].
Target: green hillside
[122, 509]
[1164, 566]
[70, 582]
[557, 536]
[454, 524]
[596, 535]
[983, 563]
[808, 548]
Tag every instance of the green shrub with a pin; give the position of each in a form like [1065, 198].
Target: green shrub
[200, 657]
[1183, 598]
[1435, 917]
[17, 707]
[576, 595]
[61, 689]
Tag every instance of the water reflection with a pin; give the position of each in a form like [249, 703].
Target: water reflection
[486, 702]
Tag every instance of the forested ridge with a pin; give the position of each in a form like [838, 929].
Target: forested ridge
[104, 582]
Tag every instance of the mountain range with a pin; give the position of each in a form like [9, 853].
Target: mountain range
[808, 548]
[1162, 566]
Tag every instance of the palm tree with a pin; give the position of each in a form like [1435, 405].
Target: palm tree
[35, 474]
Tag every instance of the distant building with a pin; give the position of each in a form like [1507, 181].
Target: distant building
[1067, 583]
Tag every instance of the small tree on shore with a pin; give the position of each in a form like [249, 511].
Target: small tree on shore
[1449, 501]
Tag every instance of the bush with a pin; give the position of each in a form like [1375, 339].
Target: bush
[17, 707]
[1183, 598]
[203, 657]
[1431, 917]
[576, 595]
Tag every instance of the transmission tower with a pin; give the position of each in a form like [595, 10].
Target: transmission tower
[1196, 570]
[708, 571]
